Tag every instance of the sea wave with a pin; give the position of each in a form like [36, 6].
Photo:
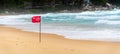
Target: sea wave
[88, 25]
[108, 22]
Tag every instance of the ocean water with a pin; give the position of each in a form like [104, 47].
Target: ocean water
[88, 25]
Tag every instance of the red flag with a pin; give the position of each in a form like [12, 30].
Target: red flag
[36, 19]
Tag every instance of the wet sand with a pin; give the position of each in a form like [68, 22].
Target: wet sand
[15, 41]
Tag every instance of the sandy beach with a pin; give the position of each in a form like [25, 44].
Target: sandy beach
[15, 41]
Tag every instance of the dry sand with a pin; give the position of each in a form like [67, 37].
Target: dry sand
[14, 41]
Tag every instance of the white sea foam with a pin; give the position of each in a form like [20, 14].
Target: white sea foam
[98, 17]
[100, 35]
[108, 22]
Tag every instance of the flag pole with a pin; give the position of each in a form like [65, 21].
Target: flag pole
[40, 31]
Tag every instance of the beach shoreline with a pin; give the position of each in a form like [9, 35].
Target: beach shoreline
[15, 41]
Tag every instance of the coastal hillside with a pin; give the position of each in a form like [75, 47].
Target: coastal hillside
[35, 6]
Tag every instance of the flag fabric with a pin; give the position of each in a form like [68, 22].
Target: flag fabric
[36, 19]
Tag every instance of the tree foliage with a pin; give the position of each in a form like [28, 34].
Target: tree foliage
[50, 3]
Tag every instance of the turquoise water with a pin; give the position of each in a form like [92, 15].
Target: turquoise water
[88, 25]
[105, 18]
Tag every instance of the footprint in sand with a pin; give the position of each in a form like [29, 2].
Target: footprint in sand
[69, 51]
[72, 50]
[16, 44]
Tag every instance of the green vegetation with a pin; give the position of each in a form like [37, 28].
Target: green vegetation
[99, 2]
[49, 5]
